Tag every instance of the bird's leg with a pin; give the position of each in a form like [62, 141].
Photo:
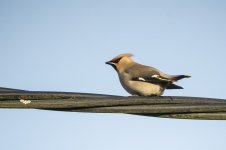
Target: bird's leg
[152, 95]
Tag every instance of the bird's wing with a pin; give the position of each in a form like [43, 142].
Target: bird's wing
[143, 73]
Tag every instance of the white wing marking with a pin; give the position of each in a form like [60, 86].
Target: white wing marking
[141, 79]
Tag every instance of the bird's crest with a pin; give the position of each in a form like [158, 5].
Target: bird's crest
[117, 58]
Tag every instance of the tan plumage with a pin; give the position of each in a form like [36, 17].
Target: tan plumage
[142, 80]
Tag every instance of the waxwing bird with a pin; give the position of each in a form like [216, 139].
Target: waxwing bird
[142, 80]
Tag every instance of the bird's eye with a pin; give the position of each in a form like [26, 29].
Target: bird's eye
[117, 60]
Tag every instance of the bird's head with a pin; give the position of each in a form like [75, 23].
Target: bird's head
[120, 61]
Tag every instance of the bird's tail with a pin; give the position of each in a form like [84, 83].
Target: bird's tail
[174, 86]
[178, 77]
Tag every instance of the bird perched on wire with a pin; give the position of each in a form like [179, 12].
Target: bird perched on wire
[142, 80]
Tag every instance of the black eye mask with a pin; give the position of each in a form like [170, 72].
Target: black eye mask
[117, 60]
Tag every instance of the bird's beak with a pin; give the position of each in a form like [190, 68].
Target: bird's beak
[110, 63]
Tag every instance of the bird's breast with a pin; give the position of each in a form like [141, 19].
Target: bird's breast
[140, 87]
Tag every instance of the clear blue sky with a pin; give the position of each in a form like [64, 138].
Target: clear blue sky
[62, 46]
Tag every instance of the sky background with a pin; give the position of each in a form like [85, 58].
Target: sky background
[53, 45]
